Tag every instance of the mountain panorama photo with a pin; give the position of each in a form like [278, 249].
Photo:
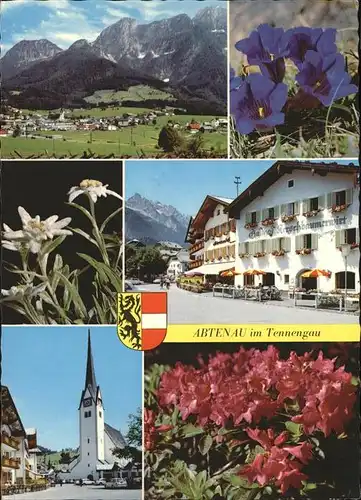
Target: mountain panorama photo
[138, 89]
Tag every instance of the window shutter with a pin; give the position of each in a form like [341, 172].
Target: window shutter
[321, 202]
[284, 210]
[299, 242]
[232, 250]
[242, 248]
[348, 197]
[276, 212]
[251, 249]
[264, 213]
[268, 246]
[248, 217]
[331, 199]
[338, 238]
[357, 235]
[286, 244]
[258, 216]
[314, 241]
[306, 206]
[296, 208]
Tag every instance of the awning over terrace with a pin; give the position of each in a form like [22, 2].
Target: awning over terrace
[213, 269]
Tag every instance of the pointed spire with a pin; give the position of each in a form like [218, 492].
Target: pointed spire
[90, 372]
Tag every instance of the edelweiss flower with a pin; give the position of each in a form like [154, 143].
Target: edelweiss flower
[23, 291]
[94, 189]
[34, 231]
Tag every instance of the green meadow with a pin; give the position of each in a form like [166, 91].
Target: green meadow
[130, 141]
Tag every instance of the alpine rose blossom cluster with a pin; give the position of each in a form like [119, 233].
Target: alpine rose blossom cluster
[151, 431]
[257, 100]
[250, 385]
[279, 465]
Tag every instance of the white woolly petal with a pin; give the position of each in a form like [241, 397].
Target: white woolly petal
[15, 235]
[24, 216]
[51, 220]
[75, 194]
[62, 223]
[113, 193]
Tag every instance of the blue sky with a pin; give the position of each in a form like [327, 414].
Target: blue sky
[65, 21]
[44, 368]
[185, 184]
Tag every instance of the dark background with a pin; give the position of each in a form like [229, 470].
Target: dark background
[41, 187]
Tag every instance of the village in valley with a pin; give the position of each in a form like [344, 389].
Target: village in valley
[113, 131]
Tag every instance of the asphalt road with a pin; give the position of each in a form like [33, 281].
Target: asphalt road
[72, 492]
[191, 308]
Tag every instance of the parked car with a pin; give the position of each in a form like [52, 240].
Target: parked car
[101, 482]
[128, 286]
[116, 483]
[156, 281]
[136, 281]
[88, 482]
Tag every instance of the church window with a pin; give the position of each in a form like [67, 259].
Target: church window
[88, 453]
[88, 440]
[100, 414]
[87, 414]
[88, 465]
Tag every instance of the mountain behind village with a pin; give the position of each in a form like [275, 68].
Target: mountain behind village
[182, 55]
[151, 221]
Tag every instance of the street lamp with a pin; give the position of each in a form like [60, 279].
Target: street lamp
[138, 272]
[345, 250]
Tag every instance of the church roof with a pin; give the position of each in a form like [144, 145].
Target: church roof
[115, 436]
[90, 379]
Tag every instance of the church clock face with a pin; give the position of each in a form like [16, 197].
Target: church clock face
[87, 402]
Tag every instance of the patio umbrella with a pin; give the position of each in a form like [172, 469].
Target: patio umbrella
[192, 274]
[254, 272]
[315, 273]
[229, 273]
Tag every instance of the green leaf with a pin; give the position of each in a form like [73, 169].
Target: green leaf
[355, 381]
[294, 428]
[96, 265]
[191, 430]
[83, 210]
[100, 312]
[52, 245]
[309, 486]
[85, 235]
[74, 295]
[109, 218]
[205, 444]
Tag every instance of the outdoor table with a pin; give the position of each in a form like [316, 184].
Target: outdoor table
[317, 297]
[250, 293]
[225, 291]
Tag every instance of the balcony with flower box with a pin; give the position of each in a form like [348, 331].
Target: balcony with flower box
[13, 463]
[268, 222]
[312, 213]
[195, 263]
[258, 255]
[288, 218]
[9, 441]
[197, 246]
[279, 253]
[339, 208]
[244, 255]
[304, 251]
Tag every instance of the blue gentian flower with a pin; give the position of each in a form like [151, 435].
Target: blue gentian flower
[303, 39]
[266, 47]
[235, 81]
[325, 77]
[257, 103]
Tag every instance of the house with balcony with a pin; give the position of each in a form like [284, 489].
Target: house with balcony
[212, 237]
[298, 216]
[178, 264]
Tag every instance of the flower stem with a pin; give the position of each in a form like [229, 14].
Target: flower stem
[97, 233]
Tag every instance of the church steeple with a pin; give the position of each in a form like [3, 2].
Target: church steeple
[90, 379]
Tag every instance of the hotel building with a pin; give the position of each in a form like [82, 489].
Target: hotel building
[18, 446]
[295, 217]
[212, 236]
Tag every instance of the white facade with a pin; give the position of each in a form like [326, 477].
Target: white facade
[307, 242]
[97, 439]
[219, 242]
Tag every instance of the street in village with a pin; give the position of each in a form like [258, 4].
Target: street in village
[191, 308]
[72, 492]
